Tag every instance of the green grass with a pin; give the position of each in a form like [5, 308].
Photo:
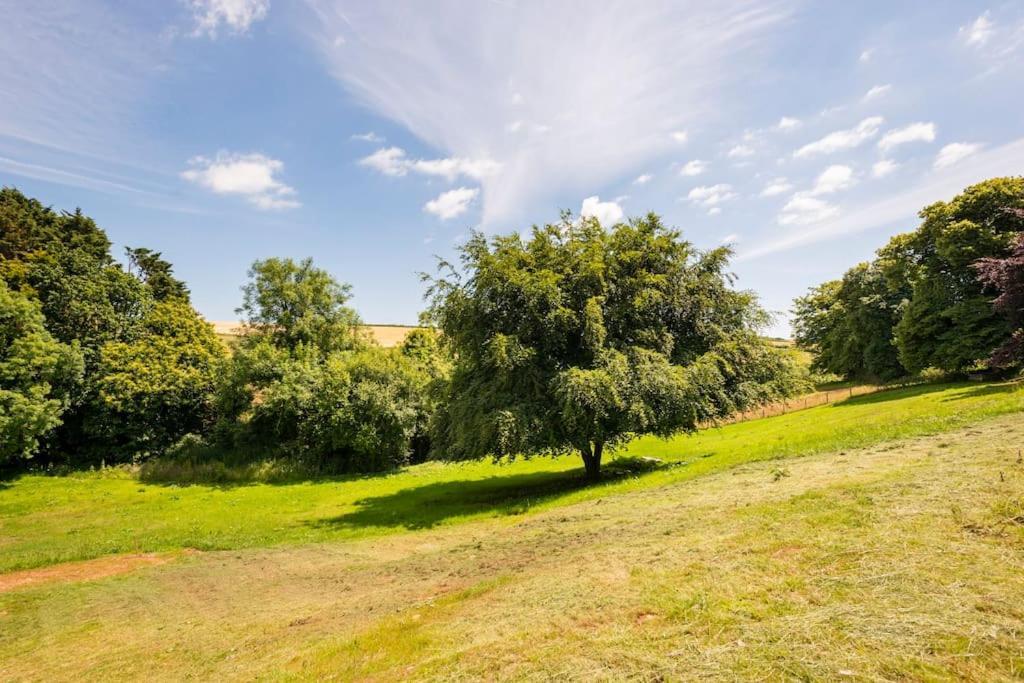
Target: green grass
[44, 520]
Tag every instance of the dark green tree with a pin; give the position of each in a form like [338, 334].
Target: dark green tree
[157, 274]
[580, 337]
[949, 322]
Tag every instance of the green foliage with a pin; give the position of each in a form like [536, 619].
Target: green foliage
[37, 374]
[949, 321]
[581, 337]
[919, 304]
[848, 324]
[157, 274]
[294, 303]
[159, 386]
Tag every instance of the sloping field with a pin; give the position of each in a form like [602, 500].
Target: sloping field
[900, 561]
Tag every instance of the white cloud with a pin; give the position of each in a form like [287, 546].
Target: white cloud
[236, 15]
[714, 210]
[978, 32]
[253, 176]
[741, 152]
[883, 168]
[452, 203]
[731, 238]
[788, 123]
[693, 167]
[643, 179]
[776, 187]
[387, 160]
[898, 209]
[609, 104]
[606, 213]
[368, 137]
[833, 179]
[843, 139]
[876, 92]
[680, 136]
[866, 55]
[514, 127]
[393, 161]
[710, 195]
[915, 132]
[955, 152]
[803, 209]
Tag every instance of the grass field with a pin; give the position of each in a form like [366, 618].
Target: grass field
[870, 552]
[44, 520]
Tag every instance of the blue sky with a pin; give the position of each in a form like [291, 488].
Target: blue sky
[374, 136]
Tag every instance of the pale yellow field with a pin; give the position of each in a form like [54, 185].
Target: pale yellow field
[385, 335]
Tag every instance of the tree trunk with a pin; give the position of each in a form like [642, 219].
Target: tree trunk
[592, 459]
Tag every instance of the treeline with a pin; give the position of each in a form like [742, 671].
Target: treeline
[104, 363]
[574, 339]
[949, 295]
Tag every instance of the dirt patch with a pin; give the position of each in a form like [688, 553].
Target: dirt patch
[87, 570]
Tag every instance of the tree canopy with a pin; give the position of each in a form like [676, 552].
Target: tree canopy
[581, 336]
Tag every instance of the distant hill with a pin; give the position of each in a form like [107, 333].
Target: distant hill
[385, 335]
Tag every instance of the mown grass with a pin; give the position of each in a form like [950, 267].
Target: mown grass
[44, 520]
[899, 561]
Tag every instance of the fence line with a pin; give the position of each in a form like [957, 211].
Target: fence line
[818, 398]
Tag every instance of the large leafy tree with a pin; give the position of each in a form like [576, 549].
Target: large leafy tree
[37, 375]
[579, 337]
[949, 322]
[157, 273]
[1006, 276]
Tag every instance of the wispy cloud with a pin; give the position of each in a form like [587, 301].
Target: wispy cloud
[393, 161]
[954, 153]
[776, 187]
[740, 152]
[803, 209]
[368, 137]
[843, 139]
[979, 31]
[643, 179]
[588, 132]
[711, 195]
[833, 179]
[876, 92]
[787, 123]
[882, 168]
[897, 210]
[237, 16]
[915, 132]
[252, 176]
[452, 203]
[694, 167]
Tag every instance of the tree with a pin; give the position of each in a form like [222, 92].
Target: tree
[294, 303]
[848, 324]
[1006, 276]
[949, 322]
[157, 274]
[580, 337]
[158, 387]
[37, 375]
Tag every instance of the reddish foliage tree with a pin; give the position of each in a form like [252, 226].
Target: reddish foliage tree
[1006, 276]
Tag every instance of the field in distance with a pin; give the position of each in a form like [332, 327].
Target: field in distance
[385, 335]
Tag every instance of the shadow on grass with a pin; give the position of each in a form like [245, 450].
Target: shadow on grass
[895, 394]
[978, 391]
[423, 507]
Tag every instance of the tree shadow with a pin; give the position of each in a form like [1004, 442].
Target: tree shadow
[422, 507]
[986, 390]
[895, 394]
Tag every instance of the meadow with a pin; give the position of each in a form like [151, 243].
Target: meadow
[841, 541]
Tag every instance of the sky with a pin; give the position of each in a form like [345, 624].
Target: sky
[374, 137]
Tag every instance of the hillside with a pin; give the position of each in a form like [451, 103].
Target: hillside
[839, 542]
[385, 335]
